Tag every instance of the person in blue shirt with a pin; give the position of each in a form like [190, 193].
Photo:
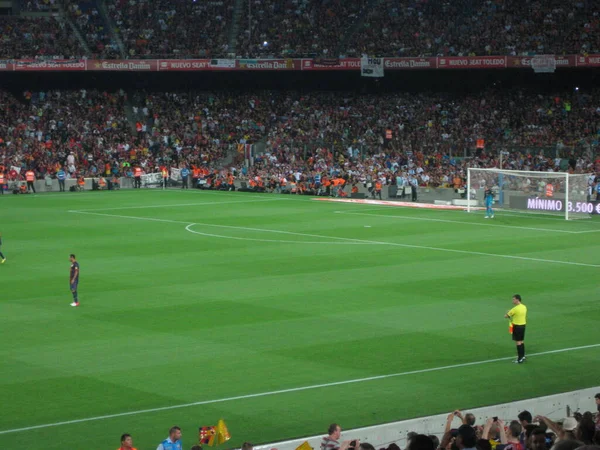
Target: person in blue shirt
[489, 201]
[185, 173]
[61, 175]
[173, 442]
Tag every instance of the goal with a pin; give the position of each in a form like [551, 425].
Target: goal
[554, 193]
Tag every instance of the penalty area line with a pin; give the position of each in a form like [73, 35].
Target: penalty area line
[287, 391]
[364, 241]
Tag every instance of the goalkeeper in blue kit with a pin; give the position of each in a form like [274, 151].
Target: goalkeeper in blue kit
[489, 201]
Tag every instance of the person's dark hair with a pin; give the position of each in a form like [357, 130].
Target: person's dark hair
[421, 442]
[530, 428]
[247, 446]
[435, 439]
[332, 428]
[517, 296]
[72, 256]
[173, 430]
[484, 444]
[366, 446]
[468, 436]
[470, 419]
[567, 444]
[410, 435]
[537, 431]
[393, 446]
[597, 395]
[585, 431]
[124, 436]
[525, 415]
[515, 428]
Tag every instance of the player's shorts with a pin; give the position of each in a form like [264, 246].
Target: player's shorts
[518, 333]
[74, 286]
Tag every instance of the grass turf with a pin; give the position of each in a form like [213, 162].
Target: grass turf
[170, 317]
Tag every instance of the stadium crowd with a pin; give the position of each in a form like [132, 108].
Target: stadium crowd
[524, 432]
[417, 139]
[277, 28]
[464, 27]
[86, 15]
[37, 37]
[172, 28]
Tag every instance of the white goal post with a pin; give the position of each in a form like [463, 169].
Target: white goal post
[554, 193]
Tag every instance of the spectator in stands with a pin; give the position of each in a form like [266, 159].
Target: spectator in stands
[586, 429]
[173, 442]
[510, 440]
[126, 442]
[537, 441]
[421, 442]
[466, 438]
[331, 441]
[564, 431]
[525, 419]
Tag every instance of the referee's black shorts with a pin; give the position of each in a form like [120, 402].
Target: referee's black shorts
[518, 333]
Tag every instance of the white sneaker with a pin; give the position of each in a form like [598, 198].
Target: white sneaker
[487, 217]
[492, 216]
[75, 304]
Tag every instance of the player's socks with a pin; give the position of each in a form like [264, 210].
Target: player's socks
[521, 351]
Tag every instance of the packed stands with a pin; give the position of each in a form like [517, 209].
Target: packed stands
[40, 5]
[86, 15]
[325, 28]
[40, 37]
[175, 29]
[280, 28]
[306, 133]
[465, 27]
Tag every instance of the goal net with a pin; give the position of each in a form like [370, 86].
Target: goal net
[553, 193]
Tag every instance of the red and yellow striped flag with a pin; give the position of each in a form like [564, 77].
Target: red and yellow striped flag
[221, 434]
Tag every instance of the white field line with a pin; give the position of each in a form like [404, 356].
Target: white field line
[478, 224]
[367, 241]
[174, 205]
[298, 389]
[278, 241]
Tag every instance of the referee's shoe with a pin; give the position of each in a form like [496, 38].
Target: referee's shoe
[520, 361]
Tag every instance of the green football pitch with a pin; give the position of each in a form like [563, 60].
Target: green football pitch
[278, 314]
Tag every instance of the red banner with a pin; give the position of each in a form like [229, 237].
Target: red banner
[409, 63]
[346, 64]
[269, 64]
[588, 61]
[343, 64]
[124, 65]
[472, 62]
[525, 61]
[54, 65]
[183, 64]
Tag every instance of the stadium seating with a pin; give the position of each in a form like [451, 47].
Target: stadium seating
[94, 29]
[304, 133]
[281, 28]
[420, 28]
[39, 37]
[174, 29]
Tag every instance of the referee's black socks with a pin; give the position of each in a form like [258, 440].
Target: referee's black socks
[521, 351]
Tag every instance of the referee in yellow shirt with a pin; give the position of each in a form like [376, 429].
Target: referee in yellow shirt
[518, 320]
